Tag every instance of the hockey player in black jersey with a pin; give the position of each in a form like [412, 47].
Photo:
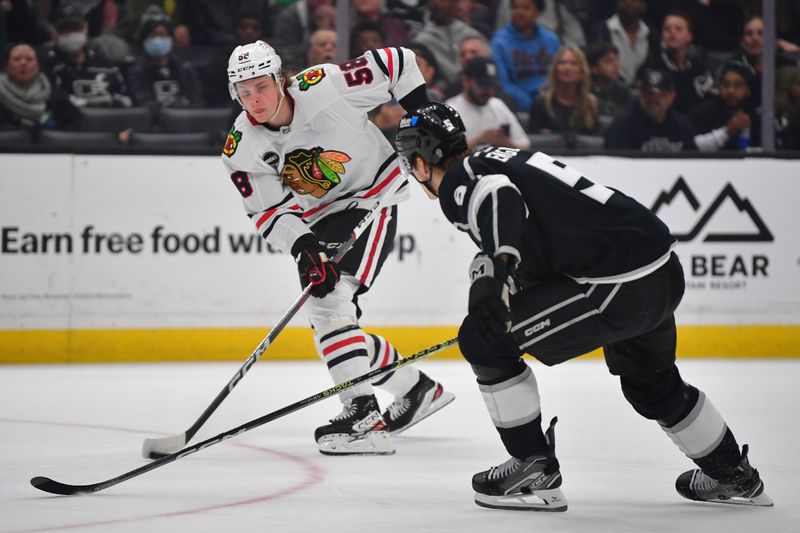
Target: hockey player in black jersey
[566, 266]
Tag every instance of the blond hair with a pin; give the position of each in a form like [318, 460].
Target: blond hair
[585, 112]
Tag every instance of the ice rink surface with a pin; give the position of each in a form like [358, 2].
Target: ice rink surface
[85, 423]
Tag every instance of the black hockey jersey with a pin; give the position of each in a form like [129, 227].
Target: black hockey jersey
[552, 219]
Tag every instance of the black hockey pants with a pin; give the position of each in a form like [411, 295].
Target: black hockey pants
[633, 322]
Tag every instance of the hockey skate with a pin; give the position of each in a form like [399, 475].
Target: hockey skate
[743, 486]
[533, 484]
[358, 430]
[424, 399]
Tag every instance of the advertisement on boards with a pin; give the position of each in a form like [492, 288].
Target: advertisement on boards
[156, 242]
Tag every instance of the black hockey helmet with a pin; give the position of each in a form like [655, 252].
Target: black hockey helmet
[434, 132]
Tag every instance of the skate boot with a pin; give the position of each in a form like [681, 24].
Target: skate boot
[357, 430]
[424, 399]
[532, 484]
[742, 486]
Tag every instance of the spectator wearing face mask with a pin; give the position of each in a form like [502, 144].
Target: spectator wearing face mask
[158, 78]
[79, 73]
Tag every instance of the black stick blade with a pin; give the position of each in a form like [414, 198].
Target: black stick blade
[54, 487]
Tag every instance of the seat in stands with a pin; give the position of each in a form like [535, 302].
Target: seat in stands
[69, 138]
[116, 119]
[171, 140]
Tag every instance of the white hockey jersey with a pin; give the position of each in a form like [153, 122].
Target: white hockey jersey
[331, 157]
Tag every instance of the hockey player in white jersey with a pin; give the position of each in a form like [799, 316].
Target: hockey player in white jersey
[308, 164]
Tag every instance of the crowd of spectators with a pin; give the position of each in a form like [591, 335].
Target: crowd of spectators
[650, 75]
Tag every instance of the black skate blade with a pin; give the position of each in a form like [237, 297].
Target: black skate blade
[335, 454]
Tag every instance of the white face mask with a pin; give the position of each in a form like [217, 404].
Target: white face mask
[69, 43]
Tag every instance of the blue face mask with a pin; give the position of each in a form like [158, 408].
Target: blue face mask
[158, 46]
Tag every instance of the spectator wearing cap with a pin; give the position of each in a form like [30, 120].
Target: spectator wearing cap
[693, 82]
[632, 37]
[565, 104]
[158, 78]
[442, 32]
[651, 124]
[26, 96]
[613, 95]
[487, 119]
[729, 120]
[81, 74]
[524, 50]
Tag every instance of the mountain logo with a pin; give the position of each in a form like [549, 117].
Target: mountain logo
[728, 193]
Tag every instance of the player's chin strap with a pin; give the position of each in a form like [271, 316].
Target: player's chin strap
[280, 101]
[427, 184]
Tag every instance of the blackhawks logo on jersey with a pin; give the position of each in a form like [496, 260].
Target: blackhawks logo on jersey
[232, 142]
[309, 78]
[315, 171]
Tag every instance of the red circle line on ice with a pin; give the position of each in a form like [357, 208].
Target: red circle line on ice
[314, 476]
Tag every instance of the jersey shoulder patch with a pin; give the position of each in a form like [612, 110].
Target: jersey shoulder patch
[232, 141]
[237, 152]
[310, 77]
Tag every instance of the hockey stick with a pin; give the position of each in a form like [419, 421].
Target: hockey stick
[54, 487]
[154, 448]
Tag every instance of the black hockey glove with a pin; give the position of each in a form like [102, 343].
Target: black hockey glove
[314, 266]
[488, 297]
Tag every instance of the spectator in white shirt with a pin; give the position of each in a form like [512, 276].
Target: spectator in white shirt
[487, 119]
[626, 30]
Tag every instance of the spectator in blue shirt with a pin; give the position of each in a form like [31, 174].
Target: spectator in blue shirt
[523, 51]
